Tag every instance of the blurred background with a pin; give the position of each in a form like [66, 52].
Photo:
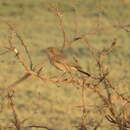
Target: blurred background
[44, 102]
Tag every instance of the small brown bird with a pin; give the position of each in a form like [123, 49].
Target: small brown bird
[61, 62]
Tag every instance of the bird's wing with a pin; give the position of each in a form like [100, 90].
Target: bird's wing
[64, 63]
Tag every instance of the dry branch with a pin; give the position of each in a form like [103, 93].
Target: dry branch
[22, 43]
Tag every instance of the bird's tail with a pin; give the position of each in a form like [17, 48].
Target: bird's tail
[83, 72]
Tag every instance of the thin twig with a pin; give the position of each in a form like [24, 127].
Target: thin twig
[22, 43]
[59, 14]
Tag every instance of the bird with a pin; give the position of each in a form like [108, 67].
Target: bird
[61, 62]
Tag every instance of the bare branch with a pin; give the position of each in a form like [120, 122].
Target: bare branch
[59, 14]
[22, 43]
